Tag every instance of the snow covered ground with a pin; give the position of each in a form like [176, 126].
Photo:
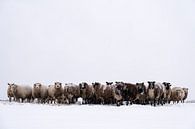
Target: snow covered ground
[37, 116]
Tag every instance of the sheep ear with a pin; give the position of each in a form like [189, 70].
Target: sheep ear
[8, 84]
[136, 84]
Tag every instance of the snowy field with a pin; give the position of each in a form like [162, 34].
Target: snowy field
[37, 116]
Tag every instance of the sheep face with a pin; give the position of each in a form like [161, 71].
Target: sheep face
[58, 85]
[167, 85]
[140, 87]
[151, 85]
[12, 87]
[37, 86]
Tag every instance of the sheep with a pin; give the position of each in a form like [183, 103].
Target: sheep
[22, 92]
[155, 93]
[159, 88]
[112, 95]
[166, 92]
[40, 92]
[128, 91]
[71, 93]
[186, 94]
[10, 94]
[98, 93]
[86, 92]
[108, 94]
[55, 92]
[177, 94]
[142, 94]
[118, 97]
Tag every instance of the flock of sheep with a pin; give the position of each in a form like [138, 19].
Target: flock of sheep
[117, 93]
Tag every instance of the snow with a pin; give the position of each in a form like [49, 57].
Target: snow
[38, 116]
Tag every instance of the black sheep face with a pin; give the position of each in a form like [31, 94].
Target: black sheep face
[140, 87]
[120, 85]
[83, 85]
[96, 85]
[151, 85]
[167, 85]
[109, 83]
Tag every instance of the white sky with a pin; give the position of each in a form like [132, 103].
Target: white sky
[103, 40]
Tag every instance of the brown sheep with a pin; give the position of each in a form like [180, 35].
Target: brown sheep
[112, 95]
[98, 93]
[167, 92]
[155, 93]
[128, 92]
[22, 92]
[71, 93]
[177, 94]
[40, 92]
[55, 92]
[108, 94]
[118, 97]
[142, 94]
[67, 95]
[10, 94]
[159, 93]
[86, 92]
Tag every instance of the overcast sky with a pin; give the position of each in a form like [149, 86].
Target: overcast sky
[104, 40]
